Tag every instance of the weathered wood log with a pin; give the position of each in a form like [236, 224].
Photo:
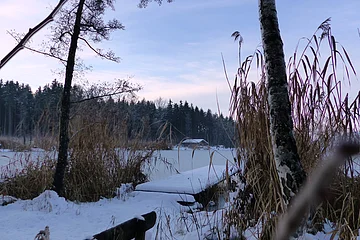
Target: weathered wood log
[133, 228]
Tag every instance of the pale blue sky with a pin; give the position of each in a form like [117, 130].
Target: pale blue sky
[174, 51]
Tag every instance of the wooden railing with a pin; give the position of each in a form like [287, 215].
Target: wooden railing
[133, 228]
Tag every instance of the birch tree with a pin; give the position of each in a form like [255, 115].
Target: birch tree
[289, 168]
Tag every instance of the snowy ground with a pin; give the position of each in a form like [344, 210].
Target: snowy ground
[68, 220]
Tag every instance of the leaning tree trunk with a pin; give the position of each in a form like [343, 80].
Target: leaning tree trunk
[65, 107]
[290, 171]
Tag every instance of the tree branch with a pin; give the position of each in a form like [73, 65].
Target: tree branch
[144, 3]
[37, 51]
[63, 34]
[92, 28]
[98, 52]
[63, 61]
[104, 90]
[122, 88]
[104, 95]
[32, 31]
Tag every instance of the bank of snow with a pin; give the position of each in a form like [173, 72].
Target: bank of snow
[68, 220]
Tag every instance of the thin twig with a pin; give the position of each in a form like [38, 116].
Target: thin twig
[114, 59]
[38, 51]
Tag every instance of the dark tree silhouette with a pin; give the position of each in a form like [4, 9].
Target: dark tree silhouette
[82, 21]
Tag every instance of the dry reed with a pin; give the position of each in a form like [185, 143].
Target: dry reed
[322, 114]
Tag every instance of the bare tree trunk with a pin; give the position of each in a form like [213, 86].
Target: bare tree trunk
[65, 107]
[290, 171]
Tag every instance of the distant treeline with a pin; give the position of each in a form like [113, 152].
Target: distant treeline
[27, 114]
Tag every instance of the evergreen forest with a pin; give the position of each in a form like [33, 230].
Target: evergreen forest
[27, 114]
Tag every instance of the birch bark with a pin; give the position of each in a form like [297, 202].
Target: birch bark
[289, 168]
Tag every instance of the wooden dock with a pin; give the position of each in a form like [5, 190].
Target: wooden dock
[199, 183]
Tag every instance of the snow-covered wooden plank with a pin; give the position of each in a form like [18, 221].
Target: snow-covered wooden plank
[189, 182]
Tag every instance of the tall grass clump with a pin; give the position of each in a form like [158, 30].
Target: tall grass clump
[322, 114]
[99, 159]
[27, 175]
[98, 166]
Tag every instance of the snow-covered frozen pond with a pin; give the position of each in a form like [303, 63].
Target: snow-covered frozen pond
[165, 162]
[186, 159]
